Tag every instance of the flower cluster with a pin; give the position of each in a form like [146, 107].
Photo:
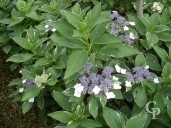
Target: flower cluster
[157, 7]
[39, 81]
[28, 84]
[139, 74]
[120, 26]
[48, 28]
[96, 83]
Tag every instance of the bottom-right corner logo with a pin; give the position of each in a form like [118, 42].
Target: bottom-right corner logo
[154, 111]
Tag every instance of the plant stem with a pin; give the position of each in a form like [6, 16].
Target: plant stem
[139, 6]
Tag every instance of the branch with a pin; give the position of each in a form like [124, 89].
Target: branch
[139, 7]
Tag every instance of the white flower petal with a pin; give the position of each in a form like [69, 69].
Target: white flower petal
[115, 78]
[24, 81]
[131, 35]
[118, 69]
[147, 67]
[123, 71]
[116, 85]
[79, 87]
[110, 95]
[21, 90]
[53, 29]
[46, 26]
[96, 90]
[31, 100]
[128, 84]
[132, 23]
[126, 28]
[156, 80]
[77, 94]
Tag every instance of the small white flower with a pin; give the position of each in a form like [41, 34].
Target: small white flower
[126, 28]
[156, 80]
[20, 71]
[24, 81]
[53, 29]
[116, 85]
[77, 94]
[110, 95]
[118, 69]
[79, 87]
[46, 26]
[115, 78]
[132, 23]
[49, 20]
[123, 71]
[31, 100]
[128, 84]
[114, 11]
[131, 35]
[157, 6]
[147, 67]
[96, 90]
[78, 90]
[21, 90]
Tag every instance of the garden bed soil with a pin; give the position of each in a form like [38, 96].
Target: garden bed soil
[11, 115]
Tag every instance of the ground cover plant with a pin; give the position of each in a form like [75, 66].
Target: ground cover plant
[90, 63]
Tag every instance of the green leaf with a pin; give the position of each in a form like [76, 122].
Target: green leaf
[118, 94]
[164, 36]
[166, 70]
[93, 15]
[113, 118]
[28, 75]
[140, 96]
[137, 121]
[162, 53]
[63, 27]
[160, 101]
[67, 42]
[26, 106]
[118, 50]
[20, 57]
[75, 62]
[30, 93]
[72, 18]
[93, 107]
[7, 48]
[23, 42]
[169, 108]
[15, 82]
[41, 62]
[62, 116]
[40, 102]
[153, 62]
[103, 99]
[98, 31]
[88, 123]
[72, 124]
[106, 39]
[140, 60]
[32, 14]
[76, 9]
[152, 39]
[62, 100]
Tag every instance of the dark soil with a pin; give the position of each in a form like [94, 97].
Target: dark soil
[11, 115]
